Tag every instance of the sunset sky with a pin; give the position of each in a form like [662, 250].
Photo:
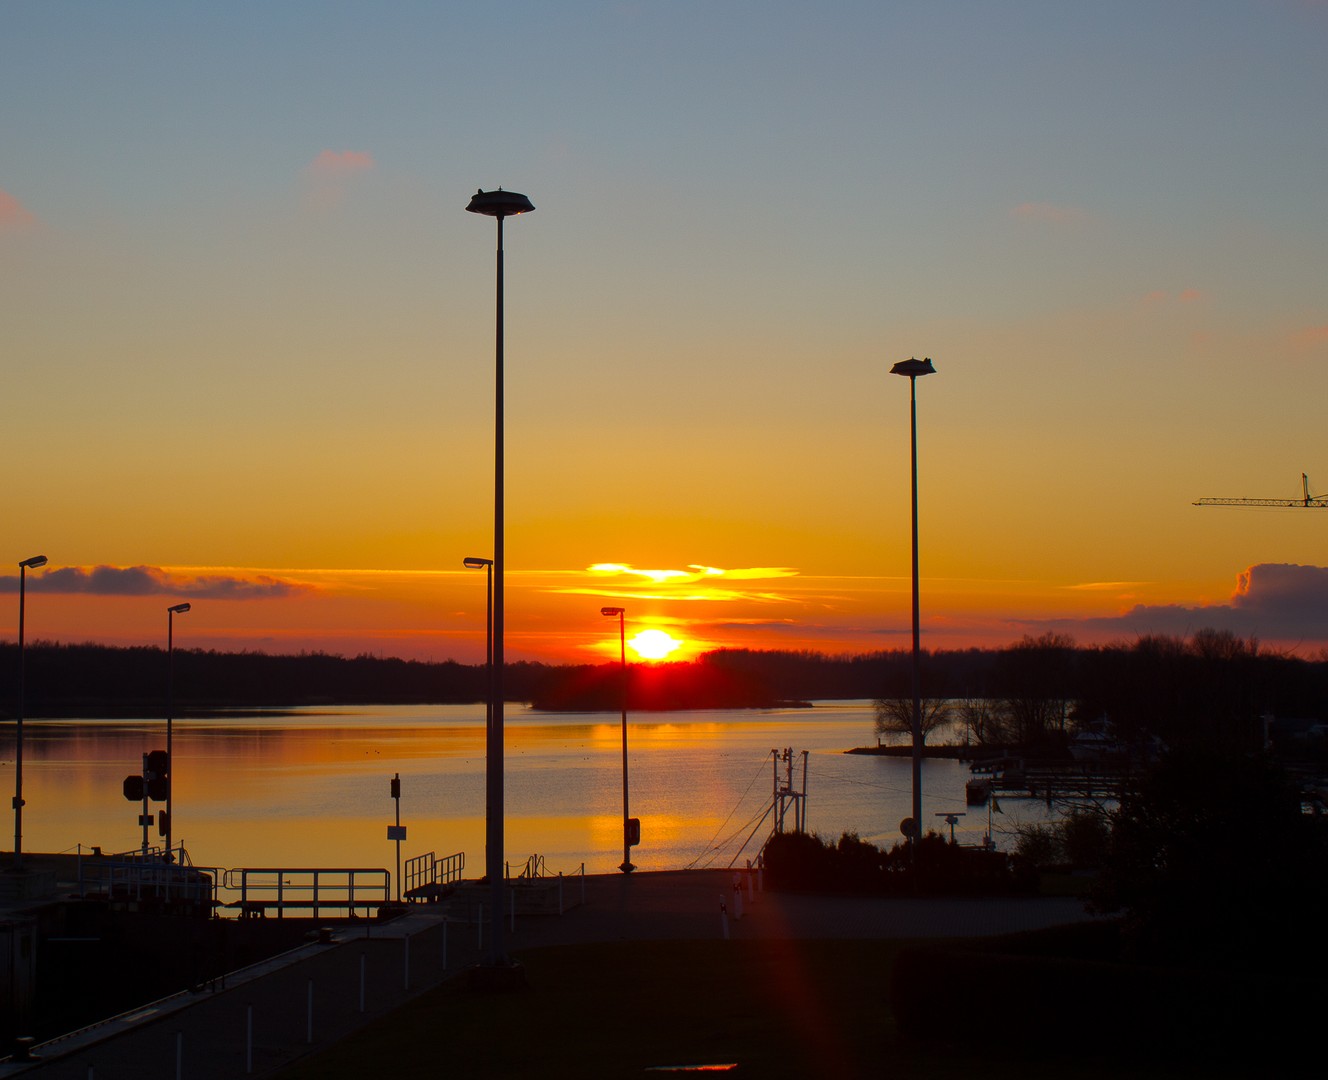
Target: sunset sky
[247, 325]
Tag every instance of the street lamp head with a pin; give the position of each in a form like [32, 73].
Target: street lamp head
[612, 610]
[33, 563]
[474, 562]
[500, 203]
[913, 368]
[178, 609]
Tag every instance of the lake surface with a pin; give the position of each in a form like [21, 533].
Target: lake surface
[311, 787]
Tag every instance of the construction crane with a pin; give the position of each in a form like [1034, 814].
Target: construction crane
[1306, 500]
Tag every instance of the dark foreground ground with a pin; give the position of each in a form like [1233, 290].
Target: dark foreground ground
[657, 970]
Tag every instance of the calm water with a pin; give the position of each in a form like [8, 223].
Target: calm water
[311, 787]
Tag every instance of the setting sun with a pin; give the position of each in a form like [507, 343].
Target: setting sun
[654, 644]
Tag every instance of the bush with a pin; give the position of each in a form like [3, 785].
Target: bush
[806, 863]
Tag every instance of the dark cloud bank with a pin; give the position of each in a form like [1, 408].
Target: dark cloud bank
[152, 581]
[1281, 602]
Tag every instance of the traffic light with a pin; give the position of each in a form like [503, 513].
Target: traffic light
[157, 768]
[633, 831]
[133, 788]
[163, 822]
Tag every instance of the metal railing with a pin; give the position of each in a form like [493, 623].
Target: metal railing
[132, 876]
[312, 889]
[427, 876]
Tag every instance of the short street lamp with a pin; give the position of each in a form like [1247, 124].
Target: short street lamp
[497, 204]
[914, 368]
[27, 564]
[171, 612]
[474, 562]
[626, 866]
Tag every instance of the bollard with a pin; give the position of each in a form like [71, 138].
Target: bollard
[723, 917]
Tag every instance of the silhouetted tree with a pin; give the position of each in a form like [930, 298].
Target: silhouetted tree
[894, 716]
[1035, 687]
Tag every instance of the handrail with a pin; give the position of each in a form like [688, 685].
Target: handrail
[426, 874]
[313, 888]
[131, 876]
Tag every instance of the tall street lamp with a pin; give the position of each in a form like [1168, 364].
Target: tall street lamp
[626, 866]
[171, 612]
[498, 204]
[23, 568]
[914, 368]
[474, 562]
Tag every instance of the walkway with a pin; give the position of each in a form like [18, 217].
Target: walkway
[268, 1015]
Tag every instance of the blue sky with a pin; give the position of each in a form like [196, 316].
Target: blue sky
[250, 322]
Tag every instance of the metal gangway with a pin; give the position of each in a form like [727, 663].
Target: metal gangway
[356, 891]
[429, 878]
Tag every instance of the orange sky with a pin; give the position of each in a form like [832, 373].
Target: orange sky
[248, 324]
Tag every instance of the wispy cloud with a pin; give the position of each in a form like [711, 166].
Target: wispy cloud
[329, 176]
[340, 162]
[694, 582]
[14, 216]
[1053, 213]
[153, 581]
[1310, 338]
[1159, 297]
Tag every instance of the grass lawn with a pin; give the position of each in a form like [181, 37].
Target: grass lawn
[776, 1008]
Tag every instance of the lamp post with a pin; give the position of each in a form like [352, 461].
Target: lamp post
[171, 612]
[914, 368]
[474, 562]
[626, 866]
[498, 204]
[23, 568]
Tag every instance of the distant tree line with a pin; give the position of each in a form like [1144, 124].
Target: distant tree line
[1211, 686]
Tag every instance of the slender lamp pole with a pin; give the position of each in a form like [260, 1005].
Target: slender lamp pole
[497, 204]
[913, 368]
[626, 866]
[473, 562]
[171, 612]
[23, 568]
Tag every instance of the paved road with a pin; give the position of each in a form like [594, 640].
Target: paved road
[271, 1014]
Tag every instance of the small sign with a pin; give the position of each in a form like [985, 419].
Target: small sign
[396, 832]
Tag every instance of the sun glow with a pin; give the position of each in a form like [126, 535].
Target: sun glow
[654, 644]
